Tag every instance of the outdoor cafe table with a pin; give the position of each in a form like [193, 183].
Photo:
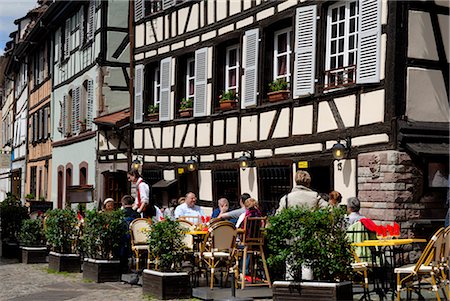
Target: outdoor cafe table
[386, 249]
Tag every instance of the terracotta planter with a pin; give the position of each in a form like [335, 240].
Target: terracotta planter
[312, 290]
[64, 262]
[278, 95]
[101, 270]
[227, 104]
[186, 112]
[34, 254]
[165, 286]
[153, 117]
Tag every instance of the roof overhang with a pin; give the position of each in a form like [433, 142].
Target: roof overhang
[164, 183]
[117, 119]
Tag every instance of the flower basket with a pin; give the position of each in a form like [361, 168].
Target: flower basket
[227, 104]
[185, 112]
[278, 95]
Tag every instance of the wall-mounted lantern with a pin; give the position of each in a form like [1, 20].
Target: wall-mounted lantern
[341, 151]
[247, 159]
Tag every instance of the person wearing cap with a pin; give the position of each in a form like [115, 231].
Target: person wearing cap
[108, 204]
[353, 206]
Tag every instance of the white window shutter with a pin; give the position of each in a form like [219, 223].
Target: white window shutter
[67, 39]
[168, 3]
[201, 82]
[45, 123]
[138, 94]
[369, 24]
[34, 128]
[90, 104]
[165, 103]
[305, 50]
[139, 9]
[81, 30]
[250, 85]
[91, 20]
[40, 125]
[76, 110]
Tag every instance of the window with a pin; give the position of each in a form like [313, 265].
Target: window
[281, 55]
[438, 174]
[226, 184]
[156, 86]
[274, 182]
[83, 176]
[232, 69]
[152, 6]
[190, 78]
[342, 41]
[33, 180]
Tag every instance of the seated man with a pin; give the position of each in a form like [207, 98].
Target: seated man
[188, 208]
[224, 206]
[234, 215]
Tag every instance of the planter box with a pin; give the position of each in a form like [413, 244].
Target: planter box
[227, 104]
[64, 262]
[186, 112]
[11, 250]
[317, 291]
[153, 117]
[34, 254]
[166, 286]
[278, 95]
[101, 270]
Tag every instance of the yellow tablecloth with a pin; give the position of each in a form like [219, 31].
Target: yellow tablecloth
[388, 242]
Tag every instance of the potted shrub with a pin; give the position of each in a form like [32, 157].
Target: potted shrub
[62, 230]
[228, 100]
[186, 107]
[103, 234]
[11, 215]
[29, 197]
[278, 90]
[300, 238]
[166, 280]
[153, 112]
[32, 241]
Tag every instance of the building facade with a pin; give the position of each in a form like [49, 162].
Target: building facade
[344, 66]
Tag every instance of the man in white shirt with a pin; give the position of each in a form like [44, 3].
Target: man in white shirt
[188, 208]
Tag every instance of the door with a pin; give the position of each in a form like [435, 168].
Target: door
[16, 182]
[115, 186]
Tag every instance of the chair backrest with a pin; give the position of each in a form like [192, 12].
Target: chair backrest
[222, 236]
[188, 226]
[138, 230]
[446, 254]
[428, 252]
[437, 254]
[357, 232]
[195, 219]
[253, 234]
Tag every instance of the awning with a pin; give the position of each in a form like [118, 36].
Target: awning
[164, 183]
[117, 119]
[428, 149]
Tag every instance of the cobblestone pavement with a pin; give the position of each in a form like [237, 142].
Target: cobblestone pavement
[32, 282]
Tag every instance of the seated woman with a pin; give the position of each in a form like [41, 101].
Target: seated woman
[251, 210]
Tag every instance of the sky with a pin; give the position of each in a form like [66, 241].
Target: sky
[9, 11]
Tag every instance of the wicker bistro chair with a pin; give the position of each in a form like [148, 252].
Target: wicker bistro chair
[195, 219]
[138, 232]
[188, 239]
[218, 247]
[361, 269]
[417, 272]
[253, 244]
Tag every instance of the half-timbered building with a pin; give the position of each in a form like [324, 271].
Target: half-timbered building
[90, 57]
[362, 73]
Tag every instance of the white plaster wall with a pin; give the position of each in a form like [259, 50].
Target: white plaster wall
[249, 127]
[421, 44]
[235, 6]
[218, 138]
[298, 149]
[118, 13]
[370, 139]
[203, 134]
[210, 10]
[445, 31]
[221, 10]
[232, 130]
[443, 3]
[205, 192]
[169, 175]
[282, 127]
[285, 5]
[156, 132]
[140, 35]
[179, 132]
[345, 178]
[190, 136]
[265, 122]
[325, 119]
[427, 99]
[249, 181]
[148, 143]
[167, 137]
[347, 109]
[372, 107]
[302, 122]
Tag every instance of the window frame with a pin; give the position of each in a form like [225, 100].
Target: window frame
[236, 67]
[156, 85]
[188, 77]
[277, 55]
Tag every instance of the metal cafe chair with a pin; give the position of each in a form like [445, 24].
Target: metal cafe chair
[415, 272]
[138, 232]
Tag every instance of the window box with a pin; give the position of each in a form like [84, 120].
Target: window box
[278, 95]
[185, 112]
[228, 104]
[153, 117]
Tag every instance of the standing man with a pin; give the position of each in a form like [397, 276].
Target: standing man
[188, 208]
[302, 195]
[142, 202]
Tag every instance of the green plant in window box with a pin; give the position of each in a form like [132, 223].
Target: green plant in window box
[186, 103]
[228, 100]
[279, 90]
[29, 197]
[153, 112]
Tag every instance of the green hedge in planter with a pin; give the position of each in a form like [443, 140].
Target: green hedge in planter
[62, 230]
[103, 234]
[316, 239]
[166, 245]
[12, 213]
[32, 233]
